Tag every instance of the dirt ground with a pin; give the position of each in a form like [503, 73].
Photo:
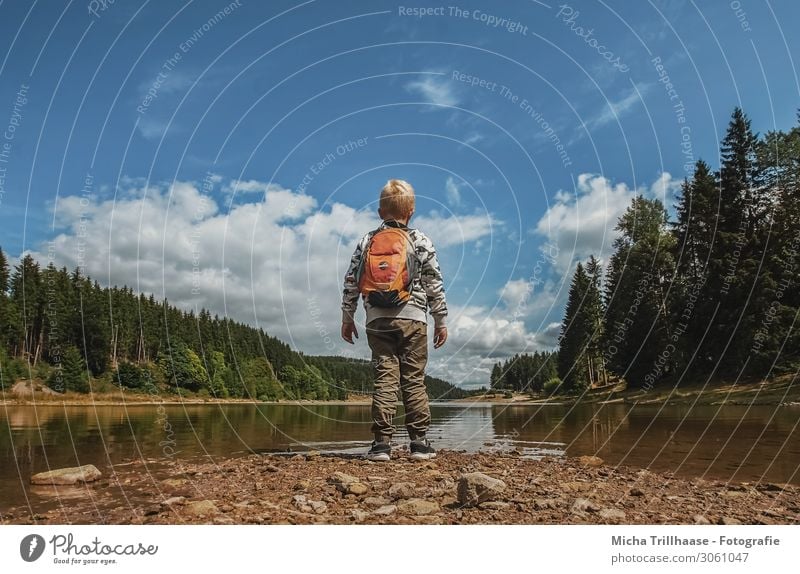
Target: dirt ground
[315, 488]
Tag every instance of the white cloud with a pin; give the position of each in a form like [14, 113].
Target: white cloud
[473, 138]
[249, 186]
[615, 110]
[446, 231]
[434, 90]
[665, 188]
[582, 223]
[452, 192]
[153, 128]
[276, 261]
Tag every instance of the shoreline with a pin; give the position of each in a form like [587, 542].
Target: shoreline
[314, 488]
[780, 392]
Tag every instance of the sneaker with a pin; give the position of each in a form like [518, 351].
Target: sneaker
[380, 451]
[421, 449]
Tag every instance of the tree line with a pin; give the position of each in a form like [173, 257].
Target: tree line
[65, 329]
[525, 372]
[713, 293]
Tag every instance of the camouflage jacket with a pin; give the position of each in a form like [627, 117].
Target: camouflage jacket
[427, 287]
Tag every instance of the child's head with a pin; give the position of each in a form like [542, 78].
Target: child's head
[397, 200]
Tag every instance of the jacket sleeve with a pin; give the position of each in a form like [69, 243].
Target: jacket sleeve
[350, 292]
[431, 278]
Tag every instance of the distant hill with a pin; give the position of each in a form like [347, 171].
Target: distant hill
[66, 329]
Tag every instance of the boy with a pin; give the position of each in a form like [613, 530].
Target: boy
[395, 270]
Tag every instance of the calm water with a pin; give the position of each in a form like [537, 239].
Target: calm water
[729, 443]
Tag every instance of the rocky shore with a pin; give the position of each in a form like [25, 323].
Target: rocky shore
[454, 488]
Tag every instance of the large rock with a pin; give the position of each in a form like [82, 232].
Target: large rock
[74, 475]
[26, 389]
[476, 487]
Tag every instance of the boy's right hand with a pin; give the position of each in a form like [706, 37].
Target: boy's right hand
[348, 330]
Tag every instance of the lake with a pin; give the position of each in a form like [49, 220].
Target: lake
[759, 443]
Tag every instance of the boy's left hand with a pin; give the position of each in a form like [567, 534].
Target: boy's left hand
[439, 337]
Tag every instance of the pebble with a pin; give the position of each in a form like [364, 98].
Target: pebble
[700, 519]
[544, 503]
[318, 507]
[611, 514]
[376, 501]
[201, 508]
[357, 488]
[494, 505]
[589, 460]
[341, 480]
[728, 521]
[577, 486]
[402, 490]
[417, 507]
[584, 505]
[358, 515]
[385, 510]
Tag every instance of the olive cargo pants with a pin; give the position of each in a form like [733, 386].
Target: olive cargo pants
[399, 356]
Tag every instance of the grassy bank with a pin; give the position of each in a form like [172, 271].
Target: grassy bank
[780, 391]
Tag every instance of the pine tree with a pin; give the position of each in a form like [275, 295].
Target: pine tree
[573, 366]
[7, 323]
[637, 326]
[594, 316]
[27, 296]
[776, 340]
[691, 301]
[4, 274]
[218, 375]
[496, 376]
[70, 374]
[736, 253]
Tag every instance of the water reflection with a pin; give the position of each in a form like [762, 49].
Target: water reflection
[733, 443]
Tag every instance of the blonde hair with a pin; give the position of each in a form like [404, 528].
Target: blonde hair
[397, 199]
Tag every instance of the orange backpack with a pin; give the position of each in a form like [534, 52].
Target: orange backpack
[388, 268]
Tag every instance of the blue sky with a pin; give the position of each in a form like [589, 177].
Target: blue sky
[229, 154]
